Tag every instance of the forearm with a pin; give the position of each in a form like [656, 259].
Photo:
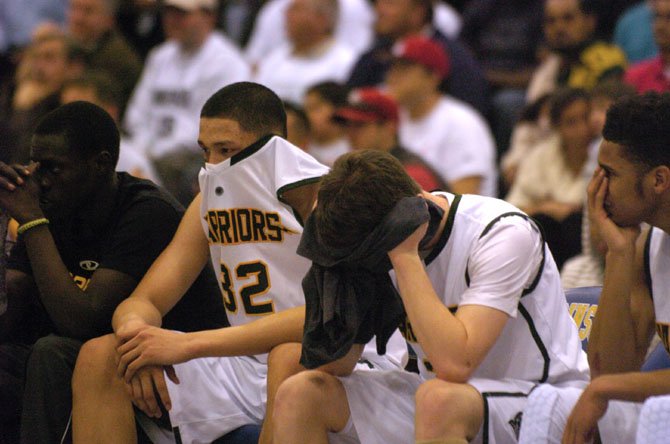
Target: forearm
[136, 309]
[250, 339]
[633, 386]
[612, 342]
[67, 305]
[441, 335]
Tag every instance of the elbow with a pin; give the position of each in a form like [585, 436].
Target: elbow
[459, 373]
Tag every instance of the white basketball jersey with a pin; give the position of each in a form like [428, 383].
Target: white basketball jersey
[252, 233]
[657, 266]
[540, 341]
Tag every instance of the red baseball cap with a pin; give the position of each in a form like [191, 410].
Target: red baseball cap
[425, 52]
[367, 105]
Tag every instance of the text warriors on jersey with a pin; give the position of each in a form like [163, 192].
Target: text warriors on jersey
[240, 225]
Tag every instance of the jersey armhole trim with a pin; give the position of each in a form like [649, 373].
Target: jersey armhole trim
[647, 263]
[291, 186]
[448, 227]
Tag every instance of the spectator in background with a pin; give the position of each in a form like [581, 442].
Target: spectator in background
[98, 88]
[92, 24]
[312, 53]
[532, 129]
[504, 36]
[576, 59]
[353, 28]
[49, 61]
[297, 125]
[633, 33]
[328, 140]
[587, 268]
[550, 184]
[436, 126]
[654, 74]
[399, 19]
[179, 75]
[371, 120]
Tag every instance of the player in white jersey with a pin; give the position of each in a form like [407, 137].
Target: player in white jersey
[486, 317]
[631, 186]
[255, 189]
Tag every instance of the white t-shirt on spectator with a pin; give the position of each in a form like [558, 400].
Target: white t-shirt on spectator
[353, 29]
[163, 114]
[455, 140]
[289, 75]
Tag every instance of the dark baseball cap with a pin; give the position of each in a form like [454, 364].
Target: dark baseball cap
[367, 105]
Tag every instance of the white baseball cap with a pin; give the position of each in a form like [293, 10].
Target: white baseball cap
[191, 5]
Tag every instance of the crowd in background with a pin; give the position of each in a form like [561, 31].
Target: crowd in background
[513, 75]
[503, 98]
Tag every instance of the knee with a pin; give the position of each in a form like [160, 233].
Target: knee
[301, 394]
[440, 399]
[96, 360]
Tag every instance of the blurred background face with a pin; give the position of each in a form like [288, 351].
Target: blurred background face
[404, 79]
[304, 23]
[574, 125]
[364, 135]
[188, 28]
[599, 107]
[565, 25]
[88, 20]
[319, 113]
[49, 63]
[661, 9]
[392, 16]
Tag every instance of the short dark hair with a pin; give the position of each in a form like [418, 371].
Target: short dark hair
[256, 108]
[562, 99]
[332, 92]
[360, 190]
[641, 124]
[88, 129]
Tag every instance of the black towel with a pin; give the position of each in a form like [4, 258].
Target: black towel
[349, 294]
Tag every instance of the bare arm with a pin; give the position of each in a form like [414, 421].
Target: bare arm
[454, 344]
[154, 346]
[169, 276]
[624, 323]
[66, 303]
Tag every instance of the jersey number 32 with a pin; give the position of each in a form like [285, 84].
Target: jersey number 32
[257, 273]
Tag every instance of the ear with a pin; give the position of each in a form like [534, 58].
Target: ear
[661, 178]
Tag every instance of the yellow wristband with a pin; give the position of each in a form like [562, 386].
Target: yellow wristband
[32, 224]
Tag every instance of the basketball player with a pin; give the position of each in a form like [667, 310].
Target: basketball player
[631, 186]
[256, 188]
[486, 316]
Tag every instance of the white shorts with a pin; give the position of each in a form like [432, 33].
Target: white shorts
[218, 395]
[382, 408]
[549, 407]
[654, 421]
